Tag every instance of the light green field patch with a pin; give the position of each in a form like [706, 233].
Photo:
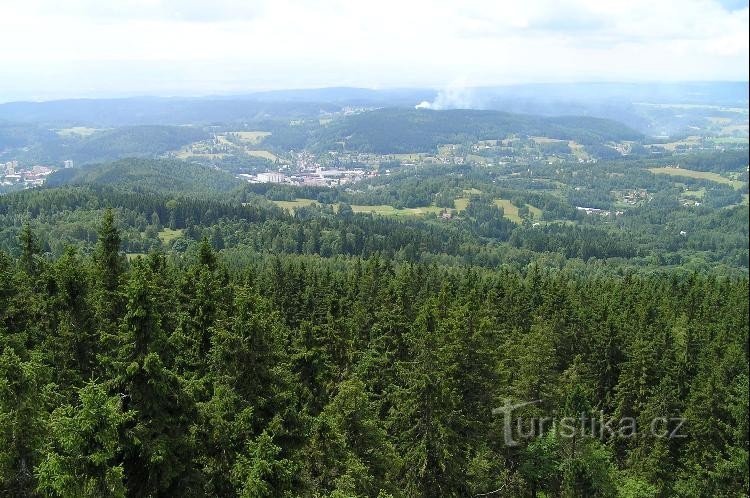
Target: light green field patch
[292, 205]
[695, 194]
[535, 212]
[461, 203]
[186, 154]
[731, 140]
[511, 211]
[477, 159]
[578, 150]
[700, 175]
[386, 210]
[472, 191]
[735, 128]
[409, 157]
[546, 140]
[263, 154]
[133, 255]
[692, 140]
[76, 131]
[251, 137]
[167, 235]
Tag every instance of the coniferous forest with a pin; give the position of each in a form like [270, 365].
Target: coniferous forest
[296, 375]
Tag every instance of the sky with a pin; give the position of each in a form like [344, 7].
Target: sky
[93, 48]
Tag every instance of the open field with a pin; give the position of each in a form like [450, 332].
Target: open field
[546, 140]
[251, 137]
[80, 131]
[477, 159]
[692, 140]
[263, 154]
[511, 211]
[578, 150]
[695, 194]
[461, 203]
[731, 129]
[535, 211]
[380, 209]
[731, 140]
[408, 157]
[167, 235]
[133, 255]
[700, 175]
[292, 205]
[185, 154]
[386, 210]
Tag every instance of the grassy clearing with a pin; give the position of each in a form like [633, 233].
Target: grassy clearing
[695, 194]
[578, 150]
[693, 140]
[535, 211]
[477, 159]
[700, 175]
[386, 210]
[186, 154]
[292, 205]
[133, 255]
[77, 131]
[734, 128]
[546, 140]
[167, 235]
[511, 211]
[409, 157]
[263, 154]
[730, 140]
[251, 137]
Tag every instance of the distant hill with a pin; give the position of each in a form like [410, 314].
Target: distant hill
[148, 175]
[15, 135]
[133, 141]
[106, 113]
[395, 130]
[31, 144]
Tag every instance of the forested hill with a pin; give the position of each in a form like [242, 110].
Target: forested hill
[307, 378]
[394, 130]
[154, 110]
[149, 175]
[35, 144]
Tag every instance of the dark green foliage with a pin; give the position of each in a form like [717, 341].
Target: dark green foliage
[149, 175]
[390, 131]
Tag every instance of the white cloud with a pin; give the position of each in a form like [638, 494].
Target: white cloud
[235, 45]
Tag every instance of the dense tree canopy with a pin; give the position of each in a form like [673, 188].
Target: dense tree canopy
[299, 376]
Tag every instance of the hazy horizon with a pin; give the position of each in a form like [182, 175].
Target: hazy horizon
[170, 48]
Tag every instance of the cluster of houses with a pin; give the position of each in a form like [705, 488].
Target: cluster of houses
[318, 177]
[11, 174]
[599, 212]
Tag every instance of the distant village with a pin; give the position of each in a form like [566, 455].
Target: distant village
[11, 174]
[308, 172]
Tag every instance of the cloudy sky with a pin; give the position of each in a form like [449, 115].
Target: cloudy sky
[74, 48]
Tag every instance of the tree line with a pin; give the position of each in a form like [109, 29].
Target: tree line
[301, 376]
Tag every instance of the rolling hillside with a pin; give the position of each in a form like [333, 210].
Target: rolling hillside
[149, 175]
[388, 131]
